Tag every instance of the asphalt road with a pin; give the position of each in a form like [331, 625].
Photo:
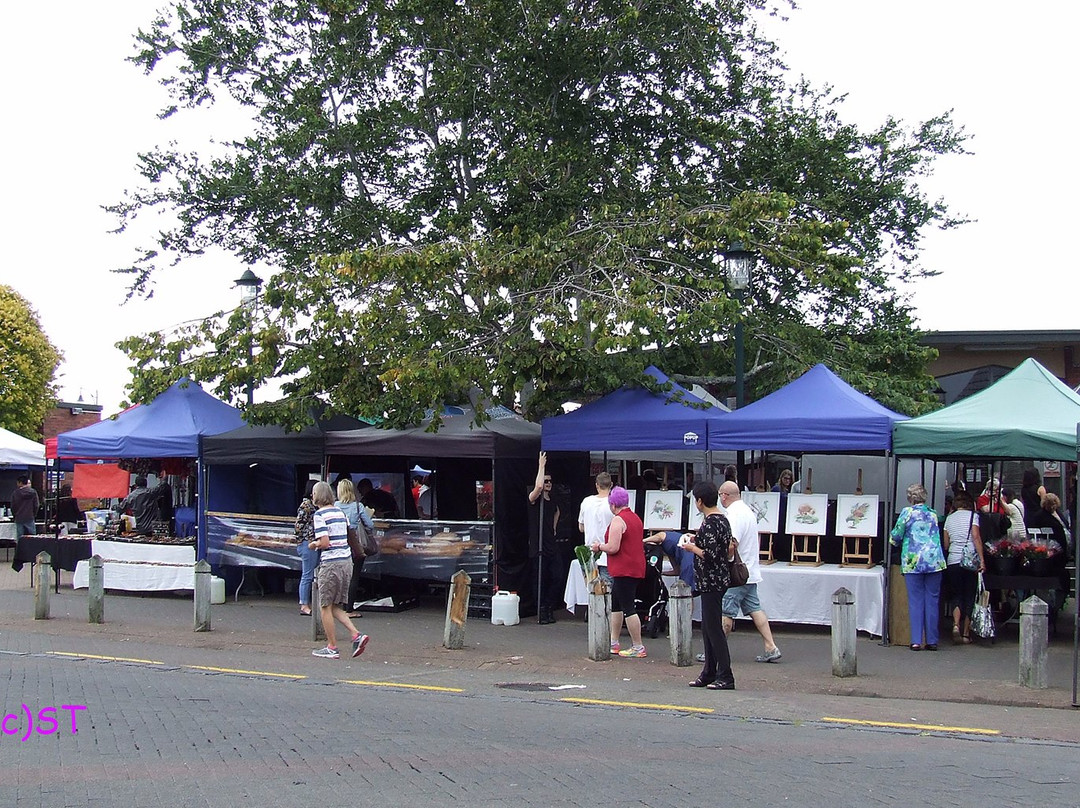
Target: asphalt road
[349, 733]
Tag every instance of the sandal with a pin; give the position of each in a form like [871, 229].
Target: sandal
[305, 611]
[916, 647]
[966, 640]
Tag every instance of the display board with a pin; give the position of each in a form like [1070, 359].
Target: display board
[806, 514]
[857, 515]
[766, 508]
[663, 510]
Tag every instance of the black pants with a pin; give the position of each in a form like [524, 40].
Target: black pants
[355, 583]
[717, 657]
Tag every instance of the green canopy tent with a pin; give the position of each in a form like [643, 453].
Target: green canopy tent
[1029, 414]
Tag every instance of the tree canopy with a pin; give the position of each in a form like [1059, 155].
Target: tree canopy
[528, 201]
[28, 363]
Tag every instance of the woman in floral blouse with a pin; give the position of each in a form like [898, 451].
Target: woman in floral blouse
[711, 546]
[921, 562]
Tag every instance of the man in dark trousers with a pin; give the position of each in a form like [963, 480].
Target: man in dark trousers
[24, 507]
[543, 517]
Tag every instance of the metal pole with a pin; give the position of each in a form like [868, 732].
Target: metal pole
[740, 398]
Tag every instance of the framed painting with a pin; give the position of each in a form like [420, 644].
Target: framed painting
[806, 514]
[663, 510]
[766, 507]
[633, 499]
[857, 515]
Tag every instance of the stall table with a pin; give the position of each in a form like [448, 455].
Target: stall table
[792, 594]
[141, 567]
[65, 551]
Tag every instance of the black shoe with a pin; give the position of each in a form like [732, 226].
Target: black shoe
[720, 686]
[546, 618]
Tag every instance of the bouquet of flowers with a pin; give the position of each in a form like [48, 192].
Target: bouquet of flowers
[1034, 551]
[1003, 548]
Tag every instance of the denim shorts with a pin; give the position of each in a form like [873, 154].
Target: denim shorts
[741, 598]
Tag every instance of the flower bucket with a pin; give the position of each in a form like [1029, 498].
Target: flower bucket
[1036, 566]
[1004, 565]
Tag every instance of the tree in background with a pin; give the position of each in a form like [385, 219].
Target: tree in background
[28, 363]
[525, 198]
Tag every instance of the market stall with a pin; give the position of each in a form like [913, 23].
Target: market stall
[820, 413]
[159, 438]
[1028, 414]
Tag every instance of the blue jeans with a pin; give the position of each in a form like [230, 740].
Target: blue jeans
[309, 560]
[924, 610]
[25, 529]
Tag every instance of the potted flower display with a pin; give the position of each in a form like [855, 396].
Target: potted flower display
[1038, 557]
[1003, 557]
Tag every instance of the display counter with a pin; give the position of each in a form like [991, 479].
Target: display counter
[430, 550]
[141, 567]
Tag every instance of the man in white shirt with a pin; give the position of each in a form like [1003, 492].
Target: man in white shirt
[594, 517]
[745, 598]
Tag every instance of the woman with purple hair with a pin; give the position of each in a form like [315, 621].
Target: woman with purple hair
[624, 545]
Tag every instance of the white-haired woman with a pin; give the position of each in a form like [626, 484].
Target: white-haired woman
[922, 563]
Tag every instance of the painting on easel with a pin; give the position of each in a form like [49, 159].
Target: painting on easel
[663, 510]
[806, 514]
[766, 508]
[857, 515]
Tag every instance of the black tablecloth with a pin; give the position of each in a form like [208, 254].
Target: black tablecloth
[1024, 583]
[65, 552]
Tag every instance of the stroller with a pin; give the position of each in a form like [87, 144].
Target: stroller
[651, 598]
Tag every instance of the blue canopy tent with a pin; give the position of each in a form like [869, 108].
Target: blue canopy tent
[817, 413]
[169, 426]
[634, 419]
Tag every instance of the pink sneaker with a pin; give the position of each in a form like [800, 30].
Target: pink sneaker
[615, 647]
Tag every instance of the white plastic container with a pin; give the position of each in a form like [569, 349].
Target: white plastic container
[217, 590]
[504, 609]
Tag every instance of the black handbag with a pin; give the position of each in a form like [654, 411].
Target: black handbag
[739, 573]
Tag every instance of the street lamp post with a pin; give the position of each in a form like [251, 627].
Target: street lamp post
[739, 270]
[249, 284]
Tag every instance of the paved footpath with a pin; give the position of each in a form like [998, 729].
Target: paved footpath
[966, 686]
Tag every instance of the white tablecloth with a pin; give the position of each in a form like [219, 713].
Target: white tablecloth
[789, 594]
[796, 594]
[135, 567]
[7, 531]
[577, 593]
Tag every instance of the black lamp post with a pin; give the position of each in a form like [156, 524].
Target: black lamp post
[739, 269]
[249, 284]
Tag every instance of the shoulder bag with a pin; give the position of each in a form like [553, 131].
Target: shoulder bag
[969, 559]
[739, 573]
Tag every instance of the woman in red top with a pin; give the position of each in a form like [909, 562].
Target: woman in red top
[623, 542]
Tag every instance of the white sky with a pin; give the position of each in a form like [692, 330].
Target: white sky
[77, 114]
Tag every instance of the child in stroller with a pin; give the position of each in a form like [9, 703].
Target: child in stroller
[652, 594]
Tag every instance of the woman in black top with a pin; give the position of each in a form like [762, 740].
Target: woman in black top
[711, 546]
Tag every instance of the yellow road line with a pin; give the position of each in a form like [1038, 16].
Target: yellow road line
[900, 725]
[678, 707]
[247, 673]
[402, 684]
[107, 658]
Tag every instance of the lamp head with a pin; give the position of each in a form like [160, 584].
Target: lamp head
[738, 266]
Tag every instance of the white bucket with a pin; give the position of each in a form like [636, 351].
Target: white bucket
[217, 589]
[504, 609]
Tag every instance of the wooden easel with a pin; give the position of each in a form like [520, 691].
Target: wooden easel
[857, 549]
[805, 549]
[765, 549]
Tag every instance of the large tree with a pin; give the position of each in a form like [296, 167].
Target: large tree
[528, 197]
[28, 363]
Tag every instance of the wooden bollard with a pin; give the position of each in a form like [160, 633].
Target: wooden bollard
[43, 562]
[96, 598]
[457, 610]
[681, 623]
[317, 631]
[843, 634]
[599, 621]
[202, 595]
[1034, 623]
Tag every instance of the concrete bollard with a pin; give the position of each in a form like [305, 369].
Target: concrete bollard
[317, 632]
[1034, 623]
[681, 623]
[843, 634]
[202, 595]
[457, 611]
[96, 598]
[599, 622]
[43, 562]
